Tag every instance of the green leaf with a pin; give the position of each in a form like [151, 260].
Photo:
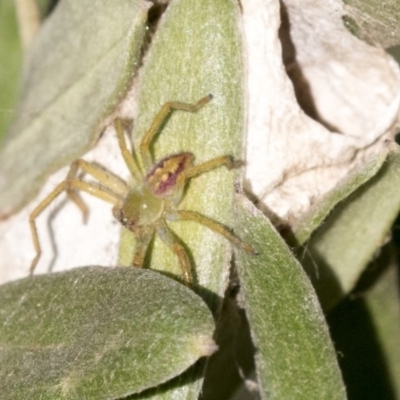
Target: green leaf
[98, 333]
[296, 359]
[11, 61]
[341, 248]
[196, 51]
[383, 303]
[79, 66]
[374, 22]
[318, 212]
[366, 329]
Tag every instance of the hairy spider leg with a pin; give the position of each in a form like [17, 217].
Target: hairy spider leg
[186, 215]
[168, 237]
[108, 180]
[158, 121]
[196, 170]
[70, 185]
[126, 153]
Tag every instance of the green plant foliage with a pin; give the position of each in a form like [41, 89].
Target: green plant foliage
[195, 51]
[98, 333]
[374, 21]
[383, 303]
[365, 329]
[317, 214]
[296, 359]
[341, 248]
[85, 54]
[10, 65]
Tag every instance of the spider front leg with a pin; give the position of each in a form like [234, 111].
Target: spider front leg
[126, 154]
[196, 170]
[109, 181]
[159, 120]
[70, 185]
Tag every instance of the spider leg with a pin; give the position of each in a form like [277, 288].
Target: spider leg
[159, 120]
[106, 179]
[196, 170]
[143, 240]
[168, 237]
[215, 226]
[126, 153]
[66, 185]
[217, 162]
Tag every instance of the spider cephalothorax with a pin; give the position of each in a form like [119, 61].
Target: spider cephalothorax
[153, 199]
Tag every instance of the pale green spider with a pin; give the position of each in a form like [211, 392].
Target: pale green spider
[145, 207]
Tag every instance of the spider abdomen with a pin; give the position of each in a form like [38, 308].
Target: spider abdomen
[162, 178]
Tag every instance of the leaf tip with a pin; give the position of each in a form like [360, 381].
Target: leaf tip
[204, 345]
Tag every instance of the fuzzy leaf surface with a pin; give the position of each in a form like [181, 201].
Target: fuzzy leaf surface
[98, 333]
[78, 68]
[296, 359]
[346, 242]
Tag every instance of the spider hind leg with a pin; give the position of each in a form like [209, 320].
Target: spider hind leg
[186, 215]
[169, 239]
[71, 185]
